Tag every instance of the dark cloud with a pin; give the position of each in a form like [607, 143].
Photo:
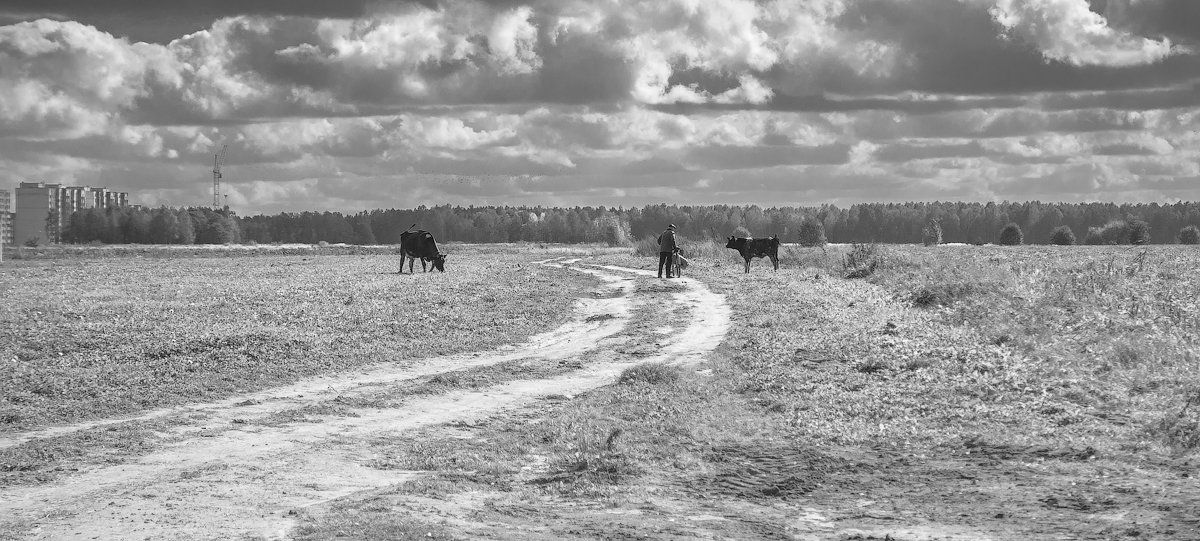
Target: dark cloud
[723, 157]
[901, 152]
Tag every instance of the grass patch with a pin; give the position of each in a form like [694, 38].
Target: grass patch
[182, 330]
[346, 521]
[650, 374]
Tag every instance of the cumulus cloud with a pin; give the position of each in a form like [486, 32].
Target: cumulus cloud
[1068, 31]
[609, 102]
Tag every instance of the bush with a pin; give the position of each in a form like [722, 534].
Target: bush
[1062, 236]
[1093, 237]
[1011, 235]
[1139, 232]
[648, 245]
[931, 235]
[812, 233]
[1115, 232]
[862, 261]
[741, 231]
[1189, 235]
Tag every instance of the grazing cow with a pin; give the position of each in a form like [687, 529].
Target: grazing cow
[419, 244]
[752, 248]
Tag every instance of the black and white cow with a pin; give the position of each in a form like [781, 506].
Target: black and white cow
[419, 244]
[752, 248]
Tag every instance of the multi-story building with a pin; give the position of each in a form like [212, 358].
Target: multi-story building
[43, 209]
[6, 218]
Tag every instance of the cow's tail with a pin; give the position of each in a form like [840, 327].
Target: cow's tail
[411, 226]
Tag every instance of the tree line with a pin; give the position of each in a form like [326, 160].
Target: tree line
[137, 225]
[975, 223]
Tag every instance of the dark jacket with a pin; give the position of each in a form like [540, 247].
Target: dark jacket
[666, 241]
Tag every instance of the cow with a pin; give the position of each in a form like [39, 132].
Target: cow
[751, 248]
[419, 244]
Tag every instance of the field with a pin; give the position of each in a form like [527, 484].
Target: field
[952, 392]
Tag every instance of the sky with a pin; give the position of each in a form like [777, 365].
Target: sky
[351, 105]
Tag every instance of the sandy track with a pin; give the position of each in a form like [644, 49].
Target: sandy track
[246, 482]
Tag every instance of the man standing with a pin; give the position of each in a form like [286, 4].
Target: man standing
[666, 246]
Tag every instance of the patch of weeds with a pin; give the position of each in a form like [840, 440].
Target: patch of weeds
[482, 462]
[871, 365]
[312, 413]
[1126, 355]
[1181, 431]
[943, 294]
[347, 523]
[650, 374]
[917, 363]
[41, 460]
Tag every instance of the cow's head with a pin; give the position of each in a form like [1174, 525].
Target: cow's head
[439, 262]
[733, 242]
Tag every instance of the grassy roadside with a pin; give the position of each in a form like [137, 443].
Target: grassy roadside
[957, 392]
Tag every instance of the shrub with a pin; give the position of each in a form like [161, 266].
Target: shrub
[741, 231]
[812, 233]
[650, 374]
[931, 235]
[1011, 235]
[1139, 232]
[1189, 235]
[32, 242]
[1093, 237]
[1062, 236]
[862, 260]
[1115, 232]
[648, 245]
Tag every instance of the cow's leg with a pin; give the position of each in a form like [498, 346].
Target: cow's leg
[775, 260]
[411, 260]
[423, 265]
[401, 262]
[747, 265]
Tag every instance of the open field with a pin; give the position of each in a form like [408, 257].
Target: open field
[954, 393]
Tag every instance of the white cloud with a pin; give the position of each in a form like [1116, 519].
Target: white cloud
[1068, 31]
[512, 40]
[597, 99]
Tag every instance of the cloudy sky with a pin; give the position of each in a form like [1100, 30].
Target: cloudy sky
[357, 104]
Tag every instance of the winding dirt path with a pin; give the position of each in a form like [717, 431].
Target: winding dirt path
[248, 481]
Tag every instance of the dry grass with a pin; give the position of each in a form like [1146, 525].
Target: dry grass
[88, 338]
[1034, 363]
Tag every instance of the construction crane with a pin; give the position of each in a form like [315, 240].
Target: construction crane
[218, 161]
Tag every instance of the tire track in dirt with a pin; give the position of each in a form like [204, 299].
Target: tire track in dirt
[248, 482]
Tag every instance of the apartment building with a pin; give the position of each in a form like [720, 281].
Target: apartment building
[43, 209]
[6, 218]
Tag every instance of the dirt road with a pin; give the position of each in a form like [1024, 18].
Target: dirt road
[230, 476]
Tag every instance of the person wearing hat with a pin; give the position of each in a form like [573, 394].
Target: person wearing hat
[666, 246]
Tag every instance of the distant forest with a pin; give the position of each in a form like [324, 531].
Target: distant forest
[975, 223]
